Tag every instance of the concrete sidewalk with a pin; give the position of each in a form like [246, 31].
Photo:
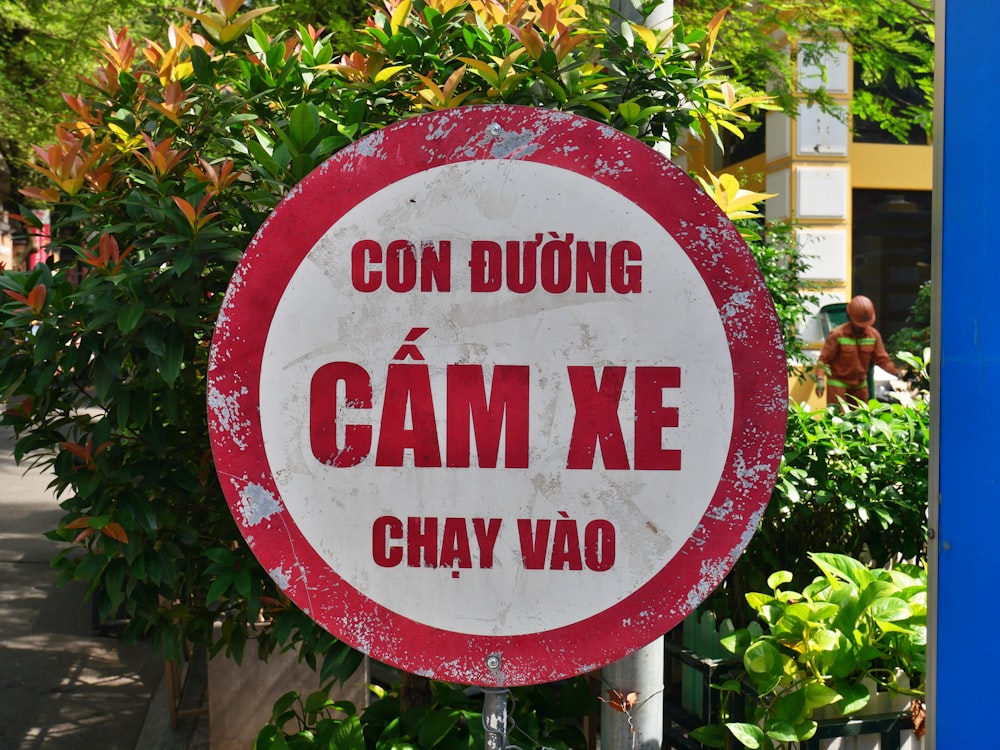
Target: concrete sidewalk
[62, 685]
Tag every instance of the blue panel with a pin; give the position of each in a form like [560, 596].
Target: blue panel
[969, 382]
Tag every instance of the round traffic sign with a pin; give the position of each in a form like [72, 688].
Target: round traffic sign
[497, 395]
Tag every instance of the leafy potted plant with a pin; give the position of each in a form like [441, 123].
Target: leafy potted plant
[824, 650]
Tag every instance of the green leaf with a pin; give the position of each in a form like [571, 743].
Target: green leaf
[802, 612]
[855, 697]
[173, 355]
[270, 738]
[284, 703]
[839, 661]
[629, 111]
[436, 727]
[90, 569]
[218, 588]
[782, 731]
[824, 611]
[554, 87]
[128, 83]
[317, 701]
[129, 316]
[890, 609]
[789, 628]
[765, 663]
[121, 408]
[264, 160]
[347, 708]
[106, 371]
[331, 143]
[791, 707]
[202, 64]
[750, 735]
[758, 601]
[824, 639]
[349, 735]
[843, 567]
[183, 260]
[114, 579]
[711, 735]
[817, 694]
[303, 125]
[46, 344]
[341, 661]
[243, 583]
[154, 337]
[221, 556]
[778, 578]
[301, 165]
[806, 729]
[737, 641]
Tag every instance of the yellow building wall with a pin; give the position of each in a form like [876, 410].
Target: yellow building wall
[878, 166]
[750, 172]
[874, 166]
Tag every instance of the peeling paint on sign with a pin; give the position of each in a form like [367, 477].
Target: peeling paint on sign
[497, 395]
[225, 409]
[256, 504]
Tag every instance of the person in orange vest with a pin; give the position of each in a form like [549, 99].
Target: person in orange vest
[842, 368]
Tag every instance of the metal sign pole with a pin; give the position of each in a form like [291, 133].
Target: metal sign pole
[639, 727]
[495, 718]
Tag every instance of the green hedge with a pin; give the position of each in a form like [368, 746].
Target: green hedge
[852, 483]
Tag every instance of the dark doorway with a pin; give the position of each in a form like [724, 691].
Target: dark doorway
[892, 251]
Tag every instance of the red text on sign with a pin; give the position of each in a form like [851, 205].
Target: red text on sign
[408, 422]
[566, 545]
[464, 543]
[429, 542]
[596, 422]
[552, 263]
[400, 267]
[556, 266]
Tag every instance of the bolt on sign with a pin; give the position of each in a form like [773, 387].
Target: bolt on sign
[497, 395]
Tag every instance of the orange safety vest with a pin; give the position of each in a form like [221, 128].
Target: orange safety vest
[848, 353]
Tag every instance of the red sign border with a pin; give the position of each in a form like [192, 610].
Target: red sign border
[655, 185]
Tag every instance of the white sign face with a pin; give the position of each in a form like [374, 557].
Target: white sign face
[517, 346]
[522, 397]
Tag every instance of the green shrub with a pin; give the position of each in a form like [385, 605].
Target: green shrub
[911, 344]
[849, 482]
[915, 336]
[776, 250]
[158, 181]
[452, 719]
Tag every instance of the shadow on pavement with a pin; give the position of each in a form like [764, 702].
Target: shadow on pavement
[62, 686]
